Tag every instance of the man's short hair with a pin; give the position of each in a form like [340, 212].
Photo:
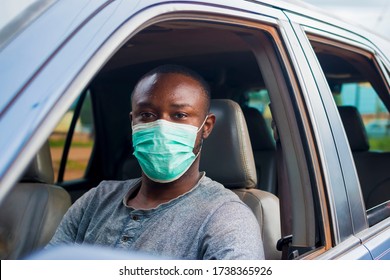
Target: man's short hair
[179, 69]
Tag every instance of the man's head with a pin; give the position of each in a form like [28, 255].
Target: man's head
[171, 92]
[176, 95]
[178, 70]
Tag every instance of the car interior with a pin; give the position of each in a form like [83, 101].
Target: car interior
[372, 166]
[343, 66]
[241, 153]
[33, 209]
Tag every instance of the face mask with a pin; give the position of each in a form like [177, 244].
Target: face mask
[164, 149]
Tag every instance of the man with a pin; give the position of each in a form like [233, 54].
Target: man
[173, 210]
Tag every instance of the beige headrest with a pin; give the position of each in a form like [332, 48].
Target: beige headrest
[40, 169]
[227, 155]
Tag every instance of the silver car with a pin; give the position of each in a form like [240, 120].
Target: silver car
[303, 82]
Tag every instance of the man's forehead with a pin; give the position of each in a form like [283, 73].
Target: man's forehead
[168, 83]
[182, 77]
[146, 84]
[178, 99]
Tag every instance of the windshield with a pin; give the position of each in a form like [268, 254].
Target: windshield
[16, 15]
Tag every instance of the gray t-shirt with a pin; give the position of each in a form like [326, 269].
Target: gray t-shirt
[208, 222]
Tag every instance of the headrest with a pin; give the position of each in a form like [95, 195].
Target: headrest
[40, 169]
[354, 128]
[227, 155]
[260, 135]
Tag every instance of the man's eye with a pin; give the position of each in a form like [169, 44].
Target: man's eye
[180, 115]
[147, 115]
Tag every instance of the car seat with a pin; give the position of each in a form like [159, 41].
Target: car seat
[372, 167]
[264, 149]
[227, 158]
[32, 210]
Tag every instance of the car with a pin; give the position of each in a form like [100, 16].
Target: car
[67, 72]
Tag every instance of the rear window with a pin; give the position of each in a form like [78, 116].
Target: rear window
[374, 114]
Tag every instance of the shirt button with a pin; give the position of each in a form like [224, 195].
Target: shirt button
[135, 218]
[125, 238]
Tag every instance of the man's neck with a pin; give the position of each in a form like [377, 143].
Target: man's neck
[151, 194]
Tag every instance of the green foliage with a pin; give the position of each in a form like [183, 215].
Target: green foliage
[59, 143]
[380, 144]
[76, 165]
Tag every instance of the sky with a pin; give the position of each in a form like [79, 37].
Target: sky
[371, 14]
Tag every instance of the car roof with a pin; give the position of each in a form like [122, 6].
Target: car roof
[86, 9]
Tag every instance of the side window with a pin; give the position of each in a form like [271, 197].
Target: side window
[259, 99]
[375, 116]
[362, 95]
[72, 141]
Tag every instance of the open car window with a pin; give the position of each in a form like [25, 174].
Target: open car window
[72, 140]
[361, 95]
[233, 61]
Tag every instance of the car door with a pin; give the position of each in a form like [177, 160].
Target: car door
[68, 63]
[354, 237]
[38, 84]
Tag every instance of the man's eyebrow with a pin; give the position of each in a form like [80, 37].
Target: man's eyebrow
[181, 105]
[143, 104]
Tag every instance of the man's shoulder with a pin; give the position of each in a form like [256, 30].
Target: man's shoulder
[216, 192]
[213, 197]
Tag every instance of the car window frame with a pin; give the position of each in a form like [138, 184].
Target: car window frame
[99, 54]
[334, 201]
[305, 237]
[367, 53]
[349, 171]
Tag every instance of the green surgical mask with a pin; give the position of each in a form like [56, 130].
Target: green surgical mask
[164, 149]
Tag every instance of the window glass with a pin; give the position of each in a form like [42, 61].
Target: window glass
[374, 114]
[363, 100]
[82, 140]
[259, 99]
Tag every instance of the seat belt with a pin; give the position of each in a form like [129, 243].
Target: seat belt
[284, 196]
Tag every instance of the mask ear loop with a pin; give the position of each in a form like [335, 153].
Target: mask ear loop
[202, 124]
[201, 139]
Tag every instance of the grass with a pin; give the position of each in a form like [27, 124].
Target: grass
[74, 169]
[76, 165]
[380, 144]
[59, 143]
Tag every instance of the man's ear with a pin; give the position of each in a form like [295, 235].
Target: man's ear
[208, 125]
[131, 116]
